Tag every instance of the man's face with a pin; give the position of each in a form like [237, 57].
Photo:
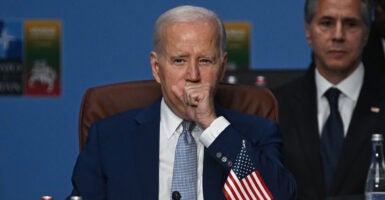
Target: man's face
[337, 34]
[190, 55]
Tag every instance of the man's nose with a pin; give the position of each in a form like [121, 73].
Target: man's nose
[339, 32]
[193, 72]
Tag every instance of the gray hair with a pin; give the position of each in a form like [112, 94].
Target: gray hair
[366, 11]
[187, 14]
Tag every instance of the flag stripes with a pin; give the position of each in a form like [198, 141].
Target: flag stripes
[251, 187]
[244, 182]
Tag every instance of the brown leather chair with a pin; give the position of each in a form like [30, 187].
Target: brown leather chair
[103, 101]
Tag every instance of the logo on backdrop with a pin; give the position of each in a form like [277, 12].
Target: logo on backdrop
[30, 57]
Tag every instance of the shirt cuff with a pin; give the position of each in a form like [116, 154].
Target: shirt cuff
[212, 132]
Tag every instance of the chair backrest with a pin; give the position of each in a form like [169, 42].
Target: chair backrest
[103, 101]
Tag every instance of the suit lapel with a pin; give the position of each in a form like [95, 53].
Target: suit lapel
[373, 54]
[306, 107]
[147, 155]
[360, 128]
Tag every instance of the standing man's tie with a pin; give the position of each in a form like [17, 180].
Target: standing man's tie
[332, 138]
[184, 178]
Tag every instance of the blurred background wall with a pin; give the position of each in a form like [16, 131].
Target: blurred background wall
[106, 42]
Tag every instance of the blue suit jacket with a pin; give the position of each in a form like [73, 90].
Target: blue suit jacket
[121, 157]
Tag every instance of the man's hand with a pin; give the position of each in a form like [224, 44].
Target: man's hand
[199, 101]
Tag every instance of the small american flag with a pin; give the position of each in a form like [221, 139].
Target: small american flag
[244, 181]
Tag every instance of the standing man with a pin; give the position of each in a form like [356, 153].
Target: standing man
[328, 115]
[184, 144]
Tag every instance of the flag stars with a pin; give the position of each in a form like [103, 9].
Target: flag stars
[244, 181]
[243, 166]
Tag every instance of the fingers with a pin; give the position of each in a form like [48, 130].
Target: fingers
[195, 94]
[198, 102]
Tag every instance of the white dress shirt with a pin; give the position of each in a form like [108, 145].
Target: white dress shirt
[170, 129]
[350, 90]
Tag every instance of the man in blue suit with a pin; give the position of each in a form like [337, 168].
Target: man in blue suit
[131, 155]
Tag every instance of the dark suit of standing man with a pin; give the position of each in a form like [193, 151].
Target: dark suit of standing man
[130, 155]
[374, 51]
[337, 30]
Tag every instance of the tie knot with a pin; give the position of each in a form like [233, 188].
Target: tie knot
[187, 128]
[332, 95]
[187, 125]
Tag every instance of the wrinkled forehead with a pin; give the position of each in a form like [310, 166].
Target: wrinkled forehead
[182, 31]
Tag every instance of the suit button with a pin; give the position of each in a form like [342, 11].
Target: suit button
[224, 159]
[229, 164]
[219, 154]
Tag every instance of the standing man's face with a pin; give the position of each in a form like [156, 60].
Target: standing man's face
[338, 35]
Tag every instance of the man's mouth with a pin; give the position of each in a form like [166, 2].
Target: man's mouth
[337, 53]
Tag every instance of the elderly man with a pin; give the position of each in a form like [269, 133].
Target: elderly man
[184, 145]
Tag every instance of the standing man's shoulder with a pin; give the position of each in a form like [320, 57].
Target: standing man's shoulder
[287, 90]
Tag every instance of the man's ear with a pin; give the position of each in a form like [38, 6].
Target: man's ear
[366, 36]
[223, 67]
[308, 33]
[154, 65]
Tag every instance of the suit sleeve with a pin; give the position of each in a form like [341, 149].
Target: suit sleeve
[88, 180]
[263, 143]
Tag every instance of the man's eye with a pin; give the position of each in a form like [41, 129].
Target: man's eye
[326, 23]
[179, 61]
[205, 61]
[351, 23]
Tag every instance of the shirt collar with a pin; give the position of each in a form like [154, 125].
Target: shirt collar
[169, 119]
[350, 86]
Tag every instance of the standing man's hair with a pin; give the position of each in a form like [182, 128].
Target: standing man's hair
[366, 11]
